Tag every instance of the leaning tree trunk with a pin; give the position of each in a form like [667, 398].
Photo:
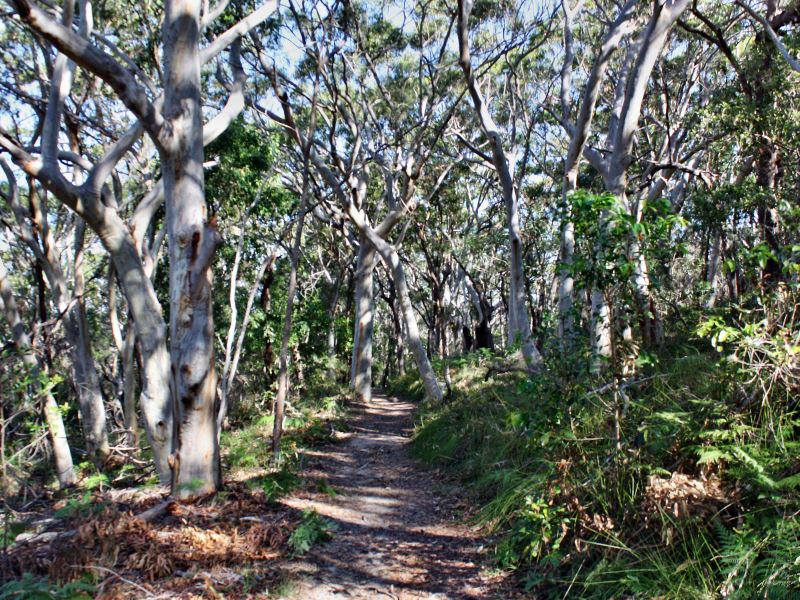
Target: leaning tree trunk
[519, 329]
[193, 241]
[283, 370]
[62, 456]
[151, 340]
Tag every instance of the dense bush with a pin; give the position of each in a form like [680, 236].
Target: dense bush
[680, 482]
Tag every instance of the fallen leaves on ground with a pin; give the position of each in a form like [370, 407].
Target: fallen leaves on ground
[222, 545]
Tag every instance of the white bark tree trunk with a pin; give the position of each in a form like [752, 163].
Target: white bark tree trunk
[363, 328]
[283, 361]
[87, 382]
[193, 241]
[519, 329]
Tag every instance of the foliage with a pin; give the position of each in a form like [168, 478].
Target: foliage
[312, 529]
[673, 484]
[30, 587]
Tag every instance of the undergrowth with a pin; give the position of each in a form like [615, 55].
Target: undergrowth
[673, 483]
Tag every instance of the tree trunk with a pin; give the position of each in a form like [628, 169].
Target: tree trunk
[713, 269]
[645, 304]
[483, 330]
[392, 260]
[151, 341]
[566, 282]
[129, 387]
[283, 372]
[333, 309]
[87, 383]
[600, 331]
[231, 365]
[361, 368]
[519, 331]
[62, 456]
[193, 241]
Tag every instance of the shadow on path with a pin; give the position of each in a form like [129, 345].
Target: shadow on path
[397, 535]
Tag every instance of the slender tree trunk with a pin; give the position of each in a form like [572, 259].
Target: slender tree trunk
[601, 331]
[231, 366]
[648, 313]
[401, 350]
[566, 282]
[333, 310]
[129, 387]
[392, 260]
[283, 369]
[90, 398]
[713, 269]
[151, 341]
[62, 456]
[519, 330]
[126, 348]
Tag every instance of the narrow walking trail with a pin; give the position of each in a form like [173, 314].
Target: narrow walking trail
[398, 535]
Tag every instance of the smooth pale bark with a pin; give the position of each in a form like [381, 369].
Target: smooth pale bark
[34, 231]
[392, 261]
[231, 366]
[62, 455]
[645, 304]
[150, 339]
[363, 327]
[579, 134]
[87, 382]
[129, 387]
[193, 241]
[712, 271]
[332, 312]
[188, 380]
[621, 134]
[126, 348]
[602, 348]
[233, 352]
[519, 331]
[116, 238]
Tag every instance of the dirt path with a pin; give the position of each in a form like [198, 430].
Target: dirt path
[397, 532]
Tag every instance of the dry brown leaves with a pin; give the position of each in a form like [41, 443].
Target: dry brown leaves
[683, 496]
[219, 536]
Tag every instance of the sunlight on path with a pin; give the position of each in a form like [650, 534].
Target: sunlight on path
[397, 535]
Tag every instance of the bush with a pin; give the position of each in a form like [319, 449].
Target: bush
[669, 484]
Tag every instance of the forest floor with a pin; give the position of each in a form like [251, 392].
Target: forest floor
[396, 530]
[399, 530]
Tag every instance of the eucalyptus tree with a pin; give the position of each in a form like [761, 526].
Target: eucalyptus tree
[509, 161]
[57, 244]
[386, 101]
[179, 385]
[614, 159]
